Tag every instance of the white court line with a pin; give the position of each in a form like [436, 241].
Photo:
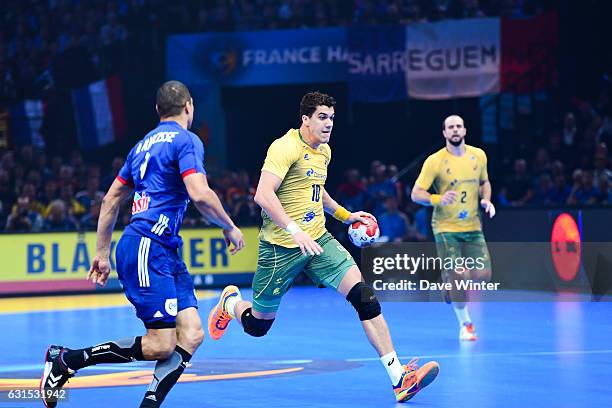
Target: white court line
[292, 362]
[527, 353]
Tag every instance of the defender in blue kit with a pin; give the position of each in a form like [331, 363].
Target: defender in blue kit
[163, 173]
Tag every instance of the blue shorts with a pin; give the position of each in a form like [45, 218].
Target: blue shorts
[155, 280]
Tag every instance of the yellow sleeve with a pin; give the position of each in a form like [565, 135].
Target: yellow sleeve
[328, 151]
[428, 173]
[280, 157]
[484, 175]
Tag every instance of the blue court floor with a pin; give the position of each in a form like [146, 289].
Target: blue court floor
[546, 354]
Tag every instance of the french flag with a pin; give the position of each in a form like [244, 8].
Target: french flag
[26, 119]
[99, 113]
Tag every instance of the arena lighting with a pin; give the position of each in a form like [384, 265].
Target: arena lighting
[565, 247]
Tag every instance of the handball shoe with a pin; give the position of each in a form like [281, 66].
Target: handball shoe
[414, 379]
[219, 317]
[54, 377]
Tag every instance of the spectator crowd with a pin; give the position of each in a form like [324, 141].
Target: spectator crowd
[37, 194]
[97, 34]
[569, 165]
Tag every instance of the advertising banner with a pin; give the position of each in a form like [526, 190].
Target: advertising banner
[61, 261]
[441, 60]
[259, 58]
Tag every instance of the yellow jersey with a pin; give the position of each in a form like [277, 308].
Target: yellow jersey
[463, 174]
[303, 171]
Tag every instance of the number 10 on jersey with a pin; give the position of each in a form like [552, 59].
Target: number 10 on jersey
[316, 192]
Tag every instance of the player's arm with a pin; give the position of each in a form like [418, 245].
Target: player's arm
[421, 196]
[340, 213]
[419, 193]
[266, 198]
[111, 204]
[485, 189]
[485, 201]
[209, 205]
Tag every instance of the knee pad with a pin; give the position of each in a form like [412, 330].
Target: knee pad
[254, 326]
[364, 301]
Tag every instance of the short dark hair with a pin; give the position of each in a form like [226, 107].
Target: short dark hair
[444, 121]
[171, 98]
[311, 100]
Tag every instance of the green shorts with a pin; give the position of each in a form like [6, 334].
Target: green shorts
[465, 245]
[278, 266]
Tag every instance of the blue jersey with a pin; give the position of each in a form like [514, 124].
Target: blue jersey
[155, 167]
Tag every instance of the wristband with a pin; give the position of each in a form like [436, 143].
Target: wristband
[292, 228]
[435, 199]
[341, 214]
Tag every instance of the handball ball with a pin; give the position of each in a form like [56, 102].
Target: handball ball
[362, 235]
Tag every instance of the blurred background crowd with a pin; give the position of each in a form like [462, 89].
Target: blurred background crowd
[41, 39]
[41, 193]
[47, 46]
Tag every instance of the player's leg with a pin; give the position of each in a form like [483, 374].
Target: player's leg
[188, 323]
[449, 246]
[277, 267]
[155, 345]
[167, 371]
[231, 306]
[62, 363]
[336, 268]
[153, 295]
[189, 336]
[363, 299]
[475, 248]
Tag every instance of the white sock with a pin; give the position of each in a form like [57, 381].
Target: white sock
[462, 315]
[230, 304]
[393, 366]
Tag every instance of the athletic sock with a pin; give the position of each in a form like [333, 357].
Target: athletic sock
[230, 304]
[393, 367]
[117, 351]
[462, 315]
[167, 373]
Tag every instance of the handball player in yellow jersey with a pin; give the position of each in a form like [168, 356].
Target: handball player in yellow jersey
[292, 195]
[458, 175]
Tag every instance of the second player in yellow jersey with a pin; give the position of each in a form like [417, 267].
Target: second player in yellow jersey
[462, 174]
[458, 175]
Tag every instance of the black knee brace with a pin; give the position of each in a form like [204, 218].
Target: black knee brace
[364, 301]
[254, 326]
